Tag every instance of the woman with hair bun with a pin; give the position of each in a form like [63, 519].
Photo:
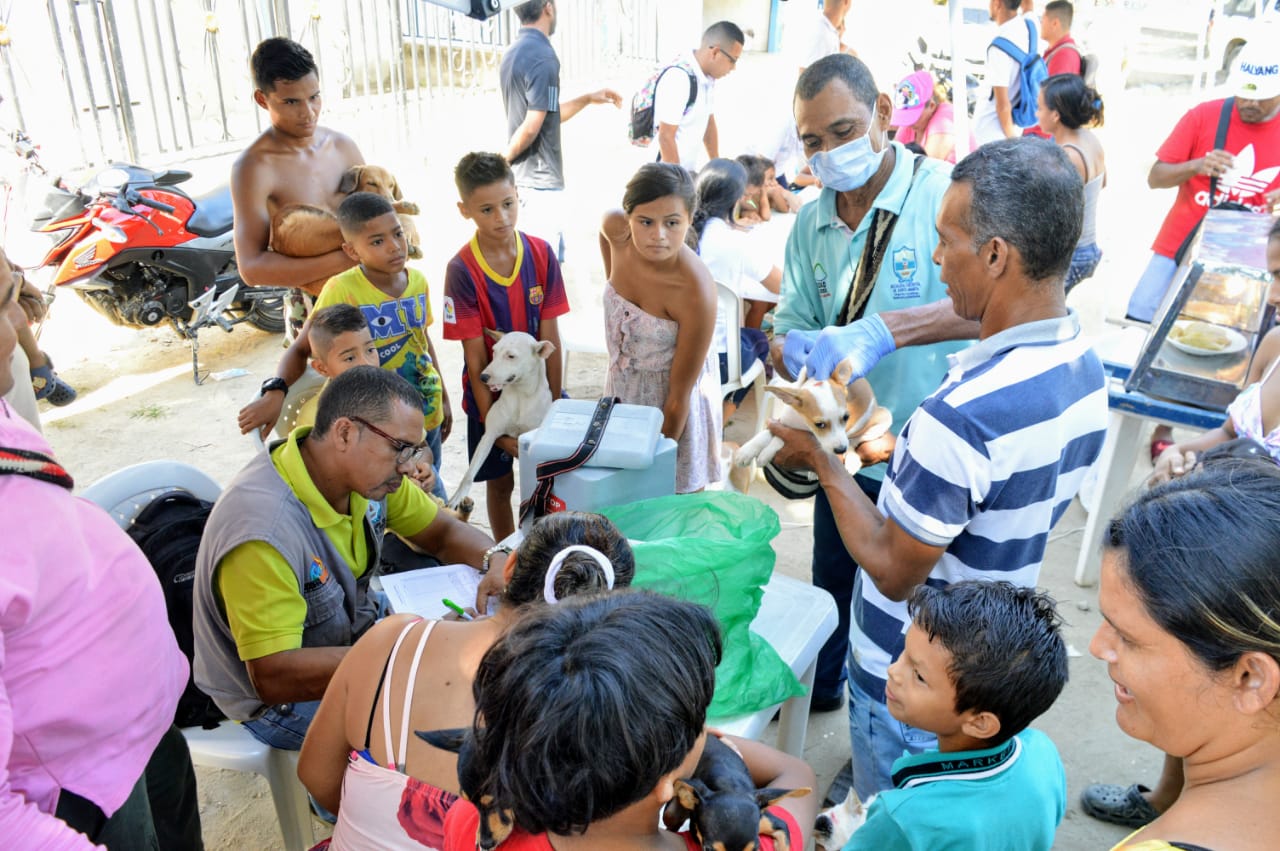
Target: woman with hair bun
[391, 790]
[1191, 638]
[1066, 109]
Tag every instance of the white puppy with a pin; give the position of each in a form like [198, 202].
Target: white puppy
[838, 414]
[836, 825]
[519, 370]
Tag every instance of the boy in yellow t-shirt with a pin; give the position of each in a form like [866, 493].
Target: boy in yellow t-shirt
[395, 304]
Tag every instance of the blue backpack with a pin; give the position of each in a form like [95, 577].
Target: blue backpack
[1031, 73]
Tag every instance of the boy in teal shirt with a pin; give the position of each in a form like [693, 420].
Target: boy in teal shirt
[981, 661]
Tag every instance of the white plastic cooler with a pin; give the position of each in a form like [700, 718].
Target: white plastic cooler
[634, 460]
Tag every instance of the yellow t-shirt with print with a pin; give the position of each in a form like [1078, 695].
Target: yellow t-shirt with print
[259, 589]
[399, 329]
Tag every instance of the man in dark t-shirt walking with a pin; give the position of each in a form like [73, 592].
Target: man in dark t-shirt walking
[530, 78]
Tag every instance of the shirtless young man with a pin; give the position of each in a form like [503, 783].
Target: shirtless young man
[294, 161]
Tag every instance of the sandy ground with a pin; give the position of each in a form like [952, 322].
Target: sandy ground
[138, 400]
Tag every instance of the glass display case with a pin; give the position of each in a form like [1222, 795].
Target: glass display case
[1202, 340]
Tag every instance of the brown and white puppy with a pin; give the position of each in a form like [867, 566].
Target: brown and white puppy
[838, 414]
[305, 230]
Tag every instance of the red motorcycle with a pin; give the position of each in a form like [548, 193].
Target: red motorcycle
[141, 251]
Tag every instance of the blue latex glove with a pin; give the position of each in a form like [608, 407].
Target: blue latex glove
[796, 348]
[862, 343]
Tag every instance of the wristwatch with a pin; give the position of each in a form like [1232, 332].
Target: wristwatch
[488, 554]
[275, 382]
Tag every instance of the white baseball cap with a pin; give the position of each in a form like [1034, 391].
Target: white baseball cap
[1257, 73]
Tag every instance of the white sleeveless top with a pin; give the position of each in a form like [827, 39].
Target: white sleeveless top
[382, 807]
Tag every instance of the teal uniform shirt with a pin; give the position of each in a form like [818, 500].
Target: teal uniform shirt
[1007, 798]
[822, 256]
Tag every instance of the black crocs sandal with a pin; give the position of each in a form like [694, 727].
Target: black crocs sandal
[1117, 804]
[47, 385]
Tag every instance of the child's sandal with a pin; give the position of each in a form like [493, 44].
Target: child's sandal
[47, 385]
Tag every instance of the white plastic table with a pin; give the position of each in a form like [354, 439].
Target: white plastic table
[797, 619]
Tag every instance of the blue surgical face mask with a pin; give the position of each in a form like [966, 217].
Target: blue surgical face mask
[849, 166]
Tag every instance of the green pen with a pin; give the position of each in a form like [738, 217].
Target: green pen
[456, 609]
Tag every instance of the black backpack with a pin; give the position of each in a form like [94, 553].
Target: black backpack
[168, 533]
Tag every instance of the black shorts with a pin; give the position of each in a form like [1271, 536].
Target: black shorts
[497, 465]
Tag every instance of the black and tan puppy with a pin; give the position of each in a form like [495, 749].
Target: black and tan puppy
[496, 822]
[724, 809]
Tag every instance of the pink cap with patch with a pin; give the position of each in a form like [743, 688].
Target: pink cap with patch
[910, 96]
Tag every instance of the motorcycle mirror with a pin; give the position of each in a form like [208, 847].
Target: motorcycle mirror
[922, 44]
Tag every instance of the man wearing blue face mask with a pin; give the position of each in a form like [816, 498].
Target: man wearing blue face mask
[861, 248]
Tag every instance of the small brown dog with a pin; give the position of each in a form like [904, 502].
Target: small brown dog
[305, 230]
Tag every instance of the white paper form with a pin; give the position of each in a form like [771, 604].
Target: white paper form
[422, 591]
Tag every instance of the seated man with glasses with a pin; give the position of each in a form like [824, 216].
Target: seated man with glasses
[282, 578]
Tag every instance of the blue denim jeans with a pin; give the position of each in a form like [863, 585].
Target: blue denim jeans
[284, 726]
[878, 740]
[436, 445]
[1084, 261]
[834, 571]
[1151, 288]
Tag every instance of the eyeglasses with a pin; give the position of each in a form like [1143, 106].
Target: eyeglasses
[727, 55]
[405, 452]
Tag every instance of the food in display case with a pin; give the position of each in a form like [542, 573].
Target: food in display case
[1199, 348]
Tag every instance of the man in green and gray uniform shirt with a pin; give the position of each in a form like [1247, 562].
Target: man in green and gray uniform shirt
[282, 576]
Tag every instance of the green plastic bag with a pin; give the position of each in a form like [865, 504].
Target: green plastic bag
[714, 548]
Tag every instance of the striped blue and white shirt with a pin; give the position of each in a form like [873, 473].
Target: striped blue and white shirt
[985, 467]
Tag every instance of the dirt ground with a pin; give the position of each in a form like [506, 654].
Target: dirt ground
[138, 401]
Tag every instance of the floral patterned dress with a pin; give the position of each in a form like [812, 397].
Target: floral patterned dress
[641, 349]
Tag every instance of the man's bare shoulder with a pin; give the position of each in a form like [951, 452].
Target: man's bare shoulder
[341, 142]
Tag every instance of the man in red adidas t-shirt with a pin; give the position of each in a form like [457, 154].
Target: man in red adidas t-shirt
[1247, 167]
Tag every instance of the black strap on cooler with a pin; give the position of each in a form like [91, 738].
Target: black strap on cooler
[539, 502]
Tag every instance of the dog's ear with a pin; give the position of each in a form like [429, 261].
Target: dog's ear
[689, 793]
[395, 188]
[768, 797]
[843, 372]
[544, 349]
[446, 740]
[790, 395]
[350, 179]
[493, 335]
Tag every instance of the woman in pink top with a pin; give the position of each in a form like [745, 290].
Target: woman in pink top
[390, 789]
[91, 671]
[925, 117]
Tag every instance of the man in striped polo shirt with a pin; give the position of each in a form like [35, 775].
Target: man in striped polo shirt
[988, 463]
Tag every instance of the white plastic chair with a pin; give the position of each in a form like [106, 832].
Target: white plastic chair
[300, 392]
[123, 494]
[571, 340]
[731, 305]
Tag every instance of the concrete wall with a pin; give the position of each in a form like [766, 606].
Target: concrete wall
[751, 15]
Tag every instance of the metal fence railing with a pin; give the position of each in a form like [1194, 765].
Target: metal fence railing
[100, 80]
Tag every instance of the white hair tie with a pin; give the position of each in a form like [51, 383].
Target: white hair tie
[553, 569]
